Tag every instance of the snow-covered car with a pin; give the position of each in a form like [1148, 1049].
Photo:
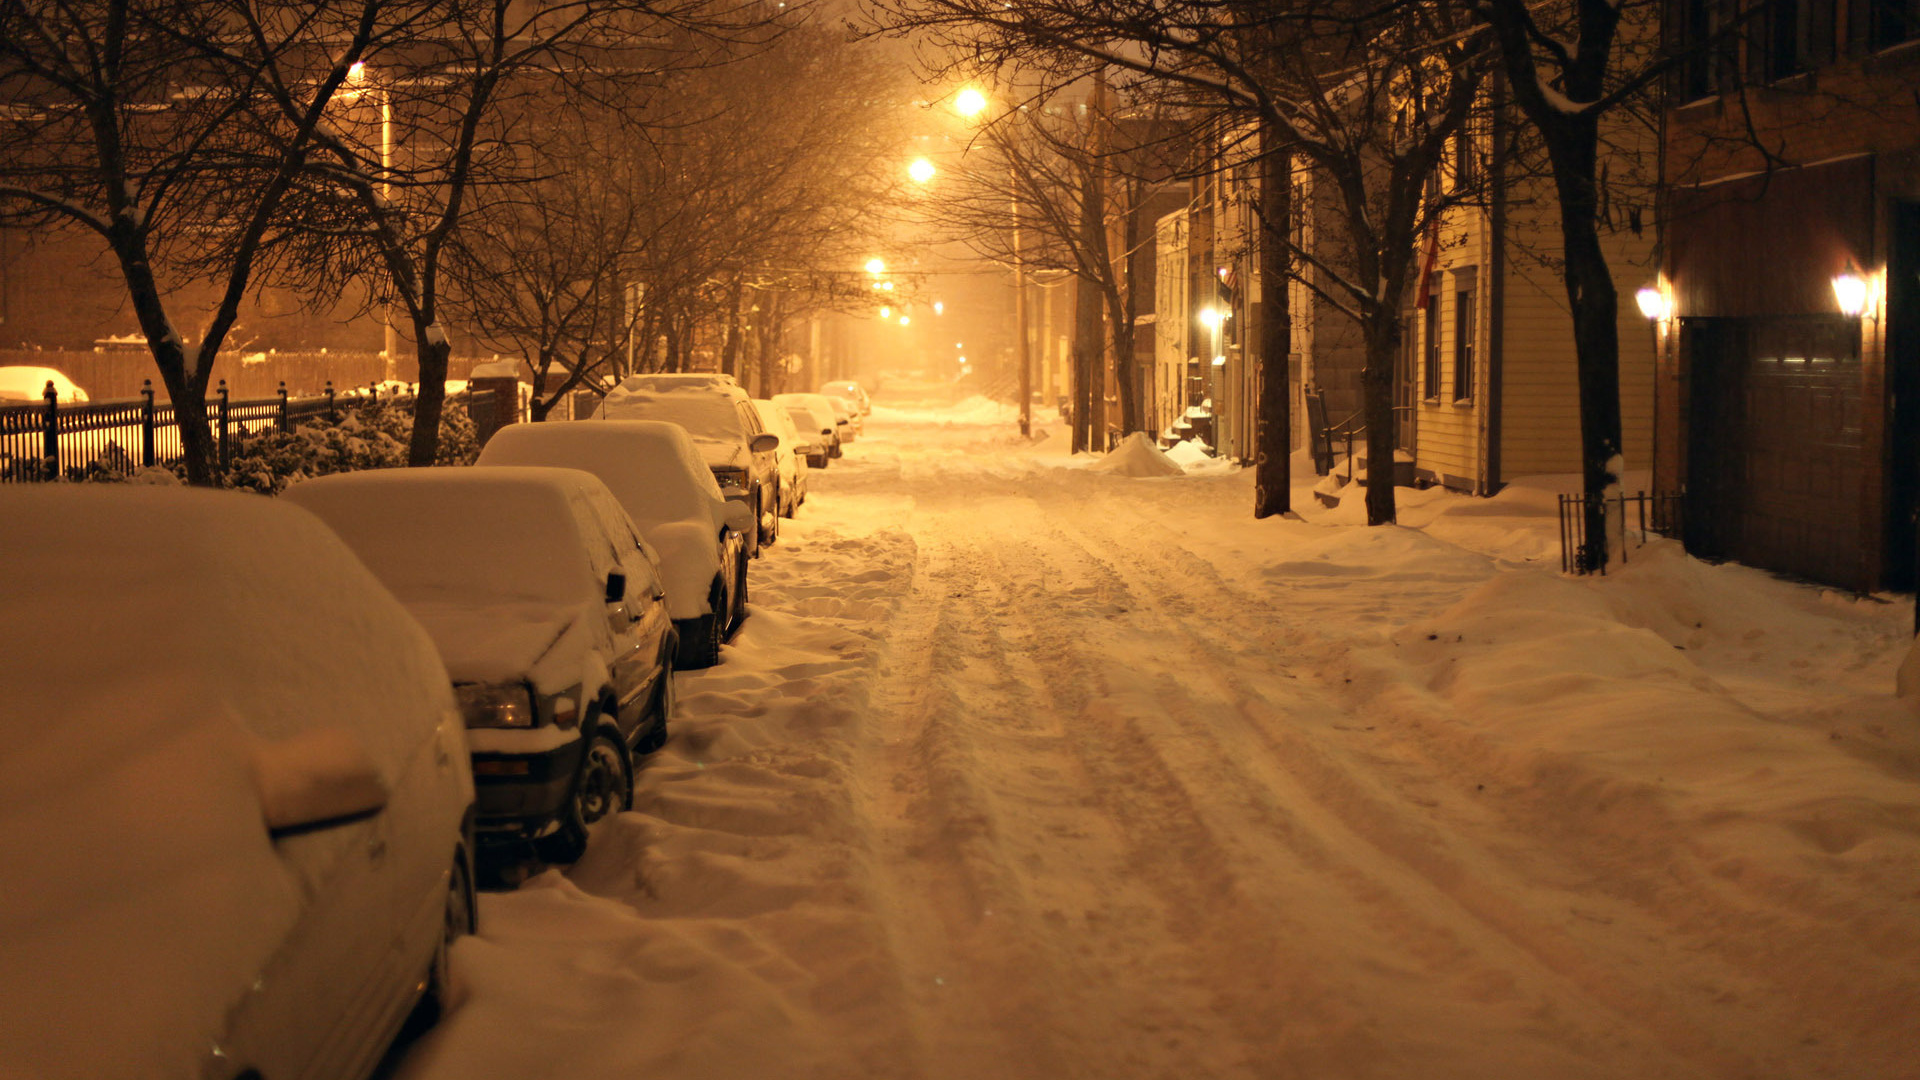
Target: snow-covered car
[815, 425]
[235, 811]
[852, 391]
[847, 413]
[656, 472]
[790, 455]
[727, 429]
[835, 407]
[680, 380]
[548, 609]
[28, 383]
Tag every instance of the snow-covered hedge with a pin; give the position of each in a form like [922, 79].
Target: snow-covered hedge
[367, 435]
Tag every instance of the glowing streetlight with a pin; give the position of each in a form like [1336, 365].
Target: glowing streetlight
[939, 308]
[970, 102]
[1653, 303]
[358, 71]
[886, 286]
[876, 266]
[1850, 291]
[1211, 318]
[921, 170]
[905, 321]
[886, 313]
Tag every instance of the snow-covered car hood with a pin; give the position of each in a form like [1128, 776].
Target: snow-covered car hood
[552, 646]
[689, 558]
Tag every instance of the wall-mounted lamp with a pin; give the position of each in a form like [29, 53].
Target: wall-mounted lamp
[1211, 317]
[1653, 303]
[1850, 289]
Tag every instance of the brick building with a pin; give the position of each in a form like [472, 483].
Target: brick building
[1788, 390]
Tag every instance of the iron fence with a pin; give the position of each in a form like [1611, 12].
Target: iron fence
[50, 440]
[1630, 520]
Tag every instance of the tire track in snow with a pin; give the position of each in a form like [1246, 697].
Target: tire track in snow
[1364, 812]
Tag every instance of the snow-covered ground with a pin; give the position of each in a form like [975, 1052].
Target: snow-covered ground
[1024, 770]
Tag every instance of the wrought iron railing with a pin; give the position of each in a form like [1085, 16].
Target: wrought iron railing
[1630, 521]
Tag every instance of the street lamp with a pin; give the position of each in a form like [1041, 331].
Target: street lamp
[921, 170]
[357, 73]
[876, 266]
[1850, 291]
[972, 103]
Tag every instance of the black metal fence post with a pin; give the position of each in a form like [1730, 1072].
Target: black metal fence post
[147, 447]
[225, 451]
[50, 443]
[286, 425]
[333, 417]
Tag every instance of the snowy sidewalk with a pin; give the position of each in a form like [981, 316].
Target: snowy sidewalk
[1025, 771]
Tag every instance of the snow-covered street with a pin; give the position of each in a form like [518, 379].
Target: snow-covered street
[1021, 770]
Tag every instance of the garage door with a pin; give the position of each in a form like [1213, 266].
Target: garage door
[1774, 453]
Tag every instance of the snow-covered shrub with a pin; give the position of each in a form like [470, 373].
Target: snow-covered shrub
[368, 435]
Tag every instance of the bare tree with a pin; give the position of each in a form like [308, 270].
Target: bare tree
[149, 124]
[1370, 96]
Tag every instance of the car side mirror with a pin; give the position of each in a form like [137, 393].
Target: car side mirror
[616, 587]
[315, 779]
[765, 442]
[738, 517]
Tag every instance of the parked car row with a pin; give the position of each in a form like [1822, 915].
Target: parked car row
[326, 707]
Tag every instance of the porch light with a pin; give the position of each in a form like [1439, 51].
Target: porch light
[1850, 289]
[1653, 303]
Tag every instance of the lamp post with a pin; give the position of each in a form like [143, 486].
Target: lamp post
[358, 73]
[971, 103]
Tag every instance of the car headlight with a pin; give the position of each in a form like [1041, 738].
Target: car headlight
[495, 705]
[731, 478]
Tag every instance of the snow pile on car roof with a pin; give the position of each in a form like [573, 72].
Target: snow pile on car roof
[29, 383]
[149, 637]
[708, 415]
[651, 466]
[1137, 456]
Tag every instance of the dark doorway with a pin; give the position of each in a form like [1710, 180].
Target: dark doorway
[1903, 395]
[1774, 449]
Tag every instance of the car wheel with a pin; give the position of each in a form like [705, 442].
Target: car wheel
[462, 918]
[770, 518]
[603, 788]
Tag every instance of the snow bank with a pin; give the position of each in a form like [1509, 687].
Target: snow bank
[1138, 457]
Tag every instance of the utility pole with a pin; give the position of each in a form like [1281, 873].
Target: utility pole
[1020, 353]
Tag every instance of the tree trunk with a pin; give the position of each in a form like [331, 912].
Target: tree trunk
[1120, 332]
[1572, 147]
[186, 382]
[423, 447]
[730, 347]
[1087, 348]
[1273, 423]
[1382, 331]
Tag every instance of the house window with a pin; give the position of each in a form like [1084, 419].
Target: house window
[1432, 365]
[1787, 37]
[1465, 166]
[1463, 335]
[1878, 24]
[1698, 33]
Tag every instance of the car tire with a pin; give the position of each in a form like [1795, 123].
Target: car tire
[603, 788]
[770, 532]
